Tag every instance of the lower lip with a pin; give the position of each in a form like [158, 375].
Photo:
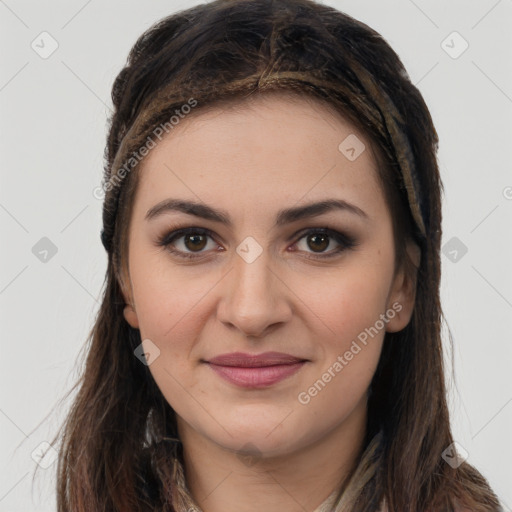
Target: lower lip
[256, 377]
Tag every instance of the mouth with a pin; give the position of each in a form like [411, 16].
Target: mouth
[255, 371]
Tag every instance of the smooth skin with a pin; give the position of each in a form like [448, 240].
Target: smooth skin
[262, 449]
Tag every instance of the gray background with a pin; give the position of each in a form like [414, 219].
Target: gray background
[53, 128]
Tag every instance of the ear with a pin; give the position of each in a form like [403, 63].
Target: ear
[130, 316]
[129, 312]
[402, 297]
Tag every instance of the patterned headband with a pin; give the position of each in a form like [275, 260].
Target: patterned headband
[395, 132]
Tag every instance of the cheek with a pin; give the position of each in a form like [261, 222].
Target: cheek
[169, 300]
[347, 354]
[347, 301]
[349, 351]
[350, 335]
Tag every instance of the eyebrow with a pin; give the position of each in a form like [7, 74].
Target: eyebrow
[285, 216]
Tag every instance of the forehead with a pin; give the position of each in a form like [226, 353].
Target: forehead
[261, 152]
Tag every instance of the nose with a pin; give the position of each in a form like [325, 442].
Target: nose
[255, 299]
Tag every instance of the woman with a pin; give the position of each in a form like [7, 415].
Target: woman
[269, 338]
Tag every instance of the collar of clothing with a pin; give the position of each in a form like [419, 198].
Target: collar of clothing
[328, 504]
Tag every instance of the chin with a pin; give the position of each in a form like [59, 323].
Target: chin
[273, 437]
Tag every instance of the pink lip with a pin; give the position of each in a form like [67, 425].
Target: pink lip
[255, 371]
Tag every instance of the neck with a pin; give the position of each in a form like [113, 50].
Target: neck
[222, 481]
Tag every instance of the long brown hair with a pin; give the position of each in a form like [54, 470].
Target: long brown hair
[120, 449]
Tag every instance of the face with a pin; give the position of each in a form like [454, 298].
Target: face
[241, 262]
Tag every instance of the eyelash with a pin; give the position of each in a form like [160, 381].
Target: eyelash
[347, 242]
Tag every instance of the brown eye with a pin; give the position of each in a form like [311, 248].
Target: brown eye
[192, 243]
[195, 242]
[187, 243]
[318, 242]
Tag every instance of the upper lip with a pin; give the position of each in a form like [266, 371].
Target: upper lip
[242, 359]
